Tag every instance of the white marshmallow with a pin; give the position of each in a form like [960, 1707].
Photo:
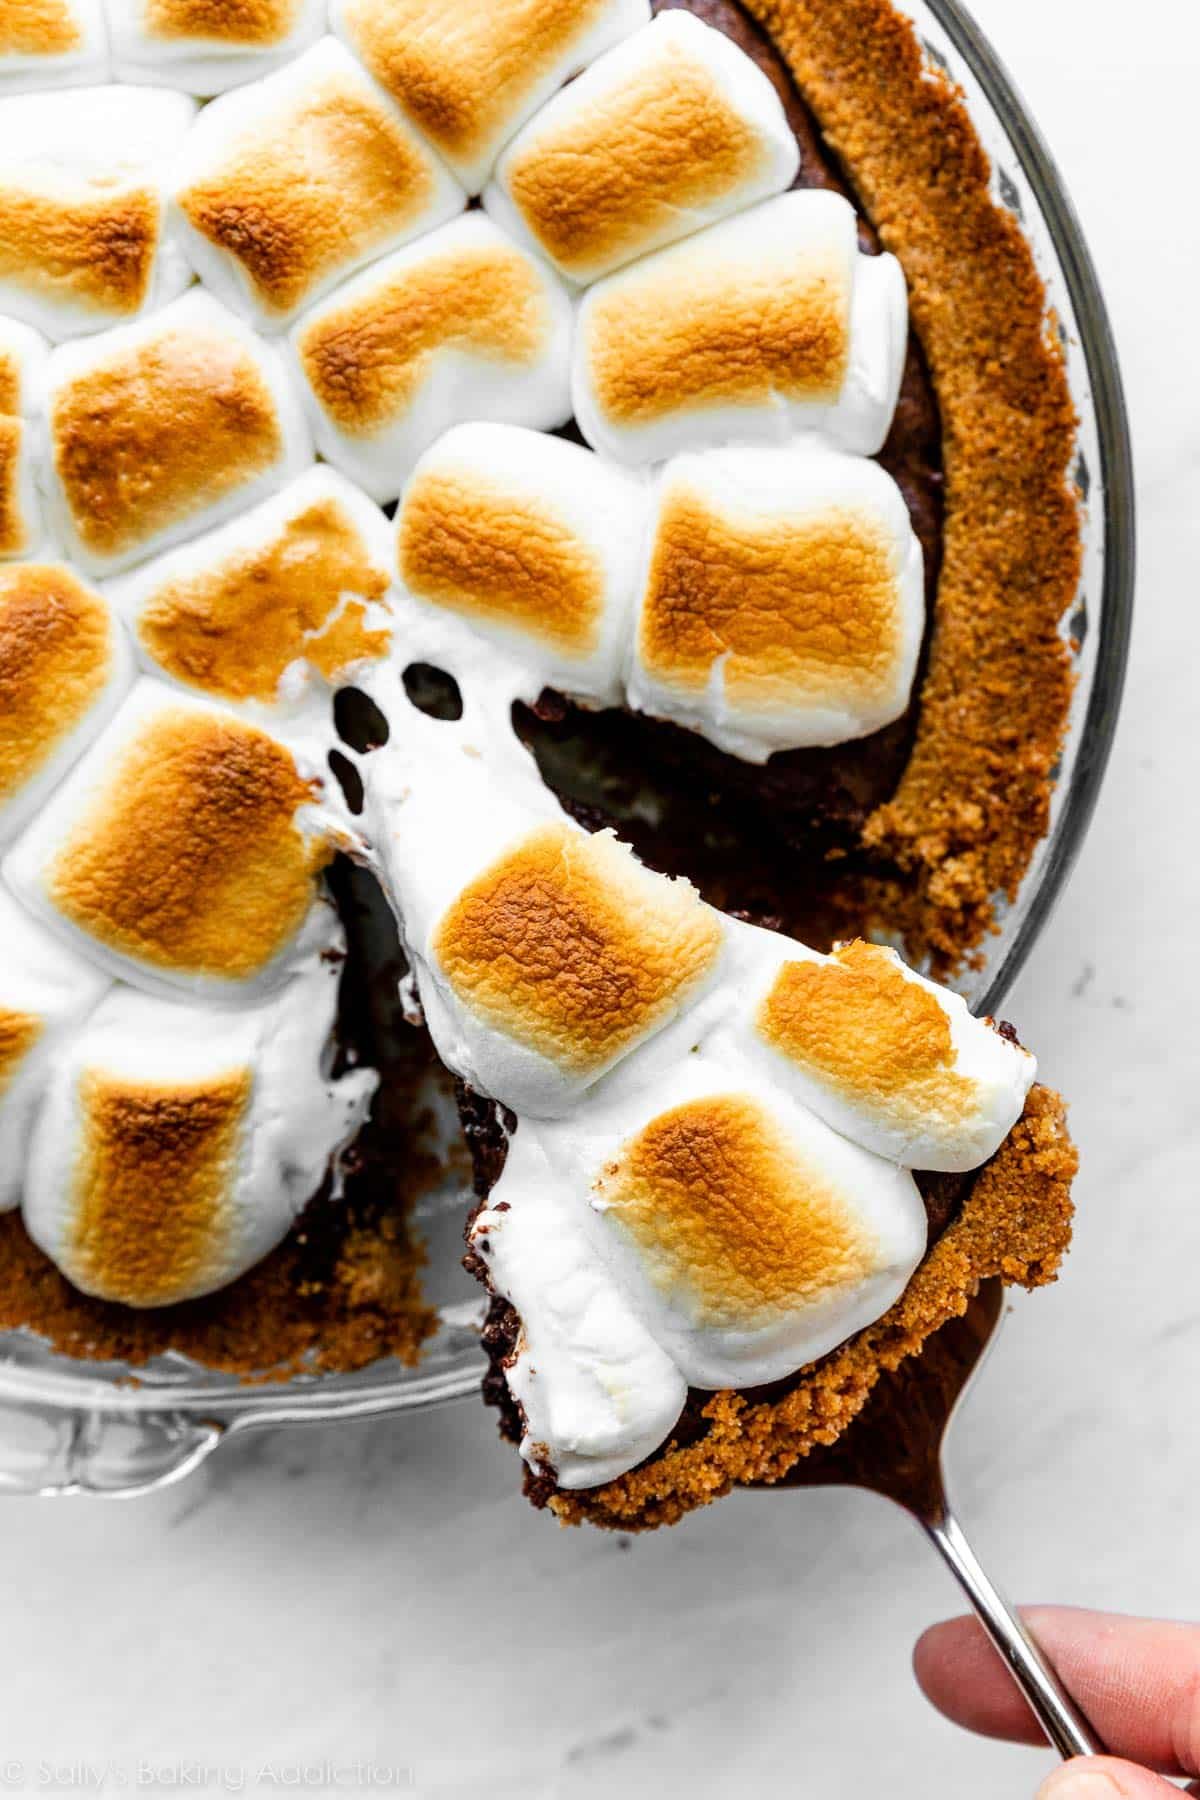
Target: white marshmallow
[82, 206]
[270, 611]
[469, 74]
[596, 1392]
[176, 1146]
[671, 131]
[534, 543]
[70, 666]
[206, 48]
[884, 1055]
[62, 44]
[22, 373]
[287, 187]
[783, 602]
[767, 324]
[189, 394]
[463, 324]
[45, 990]
[182, 852]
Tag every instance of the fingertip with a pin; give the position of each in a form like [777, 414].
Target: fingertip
[1103, 1778]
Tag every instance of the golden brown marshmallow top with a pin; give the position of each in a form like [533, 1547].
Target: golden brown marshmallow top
[485, 550]
[55, 657]
[609, 181]
[19, 1032]
[96, 252]
[159, 431]
[253, 24]
[730, 1214]
[800, 608]
[461, 72]
[571, 948]
[367, 357]
[744, 334]
[190, 858]
[153, 1179]
[859, 1026]
[37, 28]
[233, 629]
[312, 191]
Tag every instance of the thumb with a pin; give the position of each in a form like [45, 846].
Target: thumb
[1104, 1778]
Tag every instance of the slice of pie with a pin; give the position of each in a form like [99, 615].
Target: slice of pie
[712, 655]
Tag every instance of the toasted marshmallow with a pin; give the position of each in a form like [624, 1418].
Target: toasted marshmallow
[535, 542]
[462, 325]
[596, 1392]
[889, 1058]
[65, 667]
[289, 596]
[84, 243]
[51, 43]
[671, 131]
[182, 853]
[783, 601]
[767, 324]
[163, 428]
[469, 72]
[287, 187]
[45, 991]
[177, 1145]
[206, 46]
[543, 954]
[740, 1233]
[22, 369]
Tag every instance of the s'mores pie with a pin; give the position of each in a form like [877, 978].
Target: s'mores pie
[206, 46]
[533, 541]
[888, 1058]
[463, 324]
[554, 958]
[673, 130]
[745, 1237]
[176, 1145]
[293, 593]
[45, 991]
[163, 428]
[769, 323]
[182, 853]
[469, 72]
[22, 366]
[783, 600]
[51, 43]
[84, 241]
[288, 186]
[65, 667]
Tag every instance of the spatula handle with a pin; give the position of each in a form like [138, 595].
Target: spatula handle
[1048, 1700]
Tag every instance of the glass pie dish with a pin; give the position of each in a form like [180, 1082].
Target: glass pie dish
[75, 1427]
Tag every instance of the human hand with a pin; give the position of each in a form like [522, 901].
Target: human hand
[1137, 1680]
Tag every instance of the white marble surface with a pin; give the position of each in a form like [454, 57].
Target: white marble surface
[384, 1594]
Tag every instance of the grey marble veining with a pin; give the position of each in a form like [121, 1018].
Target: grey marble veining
[383, 1594]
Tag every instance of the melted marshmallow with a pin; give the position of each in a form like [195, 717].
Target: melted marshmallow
[469, 72]
[54, 43]
[22, 370]
[671, 131]
[176, 1146]
[769, 323]
[269, 612]
[85, 243]
[67, 667]
[783, 601]
[206, 46]
[192, 394]
[182, 852]
[45, 991]
[463, 324]
[287, 187]
[534, 543]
